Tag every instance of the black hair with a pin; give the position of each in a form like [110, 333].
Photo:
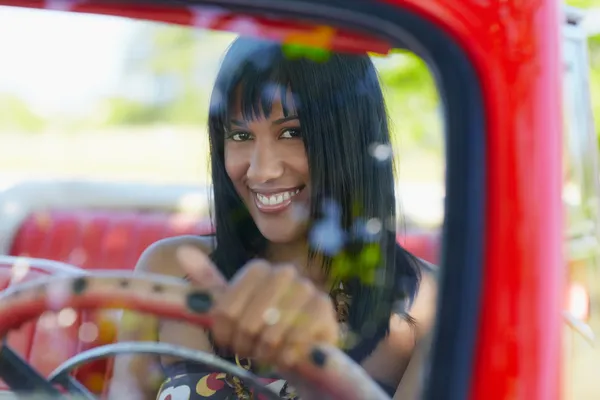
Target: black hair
[344, 127]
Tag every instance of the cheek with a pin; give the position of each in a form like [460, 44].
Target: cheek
[299, 163]
[236, 164]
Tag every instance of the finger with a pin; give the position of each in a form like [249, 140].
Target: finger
[198, 266]
[322, 327]
[254, 316]
[291, 307]
[231, 304]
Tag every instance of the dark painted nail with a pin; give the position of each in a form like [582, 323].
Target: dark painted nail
[79, 285]
[157, 288]
[318, 357]
[199, 302]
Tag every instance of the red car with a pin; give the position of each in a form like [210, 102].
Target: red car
[499, 329]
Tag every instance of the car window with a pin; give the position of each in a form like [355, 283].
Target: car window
[107, 121]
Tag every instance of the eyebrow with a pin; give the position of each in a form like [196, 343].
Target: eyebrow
[276, 122]
[285, 119]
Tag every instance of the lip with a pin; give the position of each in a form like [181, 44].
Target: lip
[274, 208]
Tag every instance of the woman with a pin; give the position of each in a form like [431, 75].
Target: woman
[305, 245]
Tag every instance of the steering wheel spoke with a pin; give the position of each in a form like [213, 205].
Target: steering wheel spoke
[160, 349]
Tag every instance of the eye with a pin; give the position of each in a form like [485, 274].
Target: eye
[290, 133]
[239, 136]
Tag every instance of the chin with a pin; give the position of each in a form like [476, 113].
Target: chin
[283, 234]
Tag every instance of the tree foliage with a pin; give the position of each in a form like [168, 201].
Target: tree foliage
[584, 4]
[594, 52]
[16, 115]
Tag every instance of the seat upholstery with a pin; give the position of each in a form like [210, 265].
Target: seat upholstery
[111, 239]
[99, 239]
[52, 339]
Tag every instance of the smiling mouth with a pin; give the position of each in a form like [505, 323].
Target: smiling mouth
[273, 202]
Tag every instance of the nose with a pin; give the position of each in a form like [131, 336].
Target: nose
[265, 164]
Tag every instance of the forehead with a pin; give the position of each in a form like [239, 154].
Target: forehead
[264, 102]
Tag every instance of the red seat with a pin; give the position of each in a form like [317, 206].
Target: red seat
[53, 338]
[99, 239]
[425, 245]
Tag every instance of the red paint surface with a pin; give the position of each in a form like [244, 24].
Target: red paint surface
[515, 48]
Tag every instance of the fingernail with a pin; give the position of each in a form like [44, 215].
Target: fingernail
[318, 357]
[199, 302]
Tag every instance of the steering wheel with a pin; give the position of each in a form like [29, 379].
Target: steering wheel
[329, 374]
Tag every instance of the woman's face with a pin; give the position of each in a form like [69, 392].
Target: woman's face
[266, 161]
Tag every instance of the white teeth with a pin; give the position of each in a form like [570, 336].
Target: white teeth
[277, 198]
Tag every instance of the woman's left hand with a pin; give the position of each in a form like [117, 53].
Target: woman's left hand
[267, 312]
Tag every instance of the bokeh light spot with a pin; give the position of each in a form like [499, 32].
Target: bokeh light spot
[380, 151]
[66, 317]
[373, 226]
[88, 332]
[19, 269]
[77, 257]
[48, 321]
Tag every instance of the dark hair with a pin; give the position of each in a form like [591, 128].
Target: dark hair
[343, 117]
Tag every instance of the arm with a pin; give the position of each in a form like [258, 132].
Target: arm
[140, 376]
[423, 310]
[411, 385]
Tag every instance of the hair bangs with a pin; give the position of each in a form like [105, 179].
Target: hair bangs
[254, 75]
[256, 95]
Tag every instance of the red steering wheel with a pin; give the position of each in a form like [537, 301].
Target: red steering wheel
[329, 374]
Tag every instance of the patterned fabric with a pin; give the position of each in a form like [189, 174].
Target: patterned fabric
[188, 381]
[217, 386]
[214, 386]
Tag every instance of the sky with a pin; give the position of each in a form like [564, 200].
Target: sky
[63, 62]
[42, 52]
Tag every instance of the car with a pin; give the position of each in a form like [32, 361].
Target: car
[500, 247]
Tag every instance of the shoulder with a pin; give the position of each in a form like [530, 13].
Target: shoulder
[160, 257]
[393, 354]
[423, 308]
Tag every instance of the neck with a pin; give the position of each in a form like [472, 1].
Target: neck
[296, 253]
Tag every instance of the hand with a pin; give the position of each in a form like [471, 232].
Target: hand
[269, 313]
[300, 338]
